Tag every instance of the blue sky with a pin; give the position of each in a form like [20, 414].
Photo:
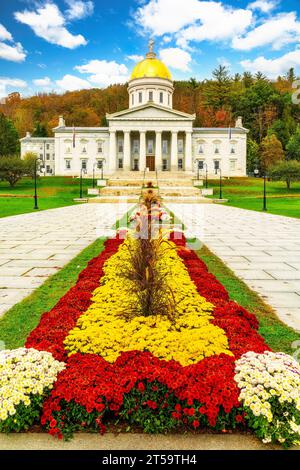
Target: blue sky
[63, 45]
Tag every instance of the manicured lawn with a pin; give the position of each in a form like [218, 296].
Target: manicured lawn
[278, 336]
[247, 193]
[53, 192]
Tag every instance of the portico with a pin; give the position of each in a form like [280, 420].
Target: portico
[163, 150]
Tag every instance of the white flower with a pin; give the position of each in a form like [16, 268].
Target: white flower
[24, 372]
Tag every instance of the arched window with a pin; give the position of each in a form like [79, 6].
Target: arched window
[233, 144]
[200, 146]
[217, 145]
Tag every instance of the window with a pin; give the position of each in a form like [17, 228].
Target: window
[84, 164]
[83, 149]
[140, 97]
[150, 146]
[48, 169]
[47, 146]
[68, 149]
[47, 156]
[120, 146]
[120, 164]
[180, 164]
[216, 147]
[216, 165]
[165, 147]
[200, 164]
[232, 165]
[68, 164]
[161, 97]
[180, 146]
[132, 98]
[41, 156]
[100, 147]
[232, 147]
[136, 146]
[150, 95]
[136, 165]
[164, 164]
[200, 147]
[168, 99]
[100, 164]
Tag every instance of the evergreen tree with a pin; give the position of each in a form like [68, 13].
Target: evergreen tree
[40, 130]
[9, 138]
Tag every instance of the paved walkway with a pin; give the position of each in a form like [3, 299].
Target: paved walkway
[34, 246]
[262, 249]
[127, 441]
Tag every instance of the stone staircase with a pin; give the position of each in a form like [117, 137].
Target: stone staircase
[173, 187]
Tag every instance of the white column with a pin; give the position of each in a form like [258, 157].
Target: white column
[127, 153]
[112, 163]
[188, 152]
[142, 150]
[158, 151]
[174, 151]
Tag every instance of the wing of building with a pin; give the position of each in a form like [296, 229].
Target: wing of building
[150, 134]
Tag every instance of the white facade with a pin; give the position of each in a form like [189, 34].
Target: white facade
[150, 134]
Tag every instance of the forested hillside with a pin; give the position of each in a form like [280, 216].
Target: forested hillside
[266, 107]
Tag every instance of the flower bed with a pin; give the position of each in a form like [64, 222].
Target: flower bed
[209, 368]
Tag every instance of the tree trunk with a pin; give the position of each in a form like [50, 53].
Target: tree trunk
[288, 183]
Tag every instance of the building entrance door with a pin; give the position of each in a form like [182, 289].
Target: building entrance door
[150, 162]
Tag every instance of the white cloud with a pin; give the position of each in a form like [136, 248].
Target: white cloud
[15, 53]
[48, 23]
[192, 20]
[176, 58]
[224, 62]
[42, 82]
[104, 73]
[135, 58]
[14, 83]
[265, 6]
[4, 34]
[12, 51]
[79, 9]
[273, 67]
[72, 83]
[279, 31]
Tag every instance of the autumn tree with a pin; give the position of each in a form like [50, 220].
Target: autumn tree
[271, 152]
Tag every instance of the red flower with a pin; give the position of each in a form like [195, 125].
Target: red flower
[196, 424]
[141, 387]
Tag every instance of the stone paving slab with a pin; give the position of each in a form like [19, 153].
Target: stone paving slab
[262, 249]
[34, 246]
[28, 441]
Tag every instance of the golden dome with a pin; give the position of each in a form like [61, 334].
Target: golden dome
[151, 67]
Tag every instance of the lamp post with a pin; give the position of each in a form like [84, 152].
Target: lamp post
[265, 193]
[206, 173]
[82, 171]
[95, 164]
[35, 197]
[221, 188]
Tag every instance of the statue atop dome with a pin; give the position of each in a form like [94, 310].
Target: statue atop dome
[151, 54]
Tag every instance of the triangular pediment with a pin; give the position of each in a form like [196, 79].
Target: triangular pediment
[149, 112]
